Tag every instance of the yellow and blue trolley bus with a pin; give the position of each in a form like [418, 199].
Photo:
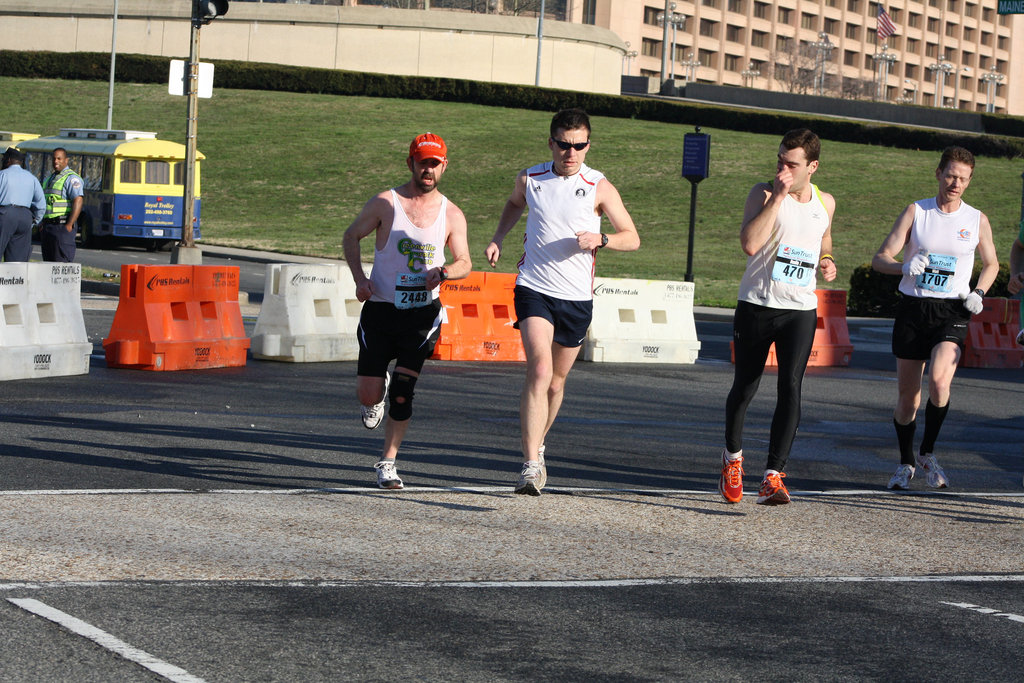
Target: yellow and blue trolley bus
[134, 184]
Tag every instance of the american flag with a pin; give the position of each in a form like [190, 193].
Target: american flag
[885, 26]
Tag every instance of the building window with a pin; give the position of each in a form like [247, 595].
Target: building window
[970, 10]
[933, 3]
[986, 14]
[968, 33]
[734, 34]
[736, 6]
[853, 5]
[706, 58]
[950, 29]
[758, 39]
[951, 5]
[1001, 42]
[933, 24]
[931, 50]
[708, 28]
[914, 20]
[589, 12]
[651, 15]
[986, 38]
[709, 3]
[832, 26]
[761, 10]
[853, 31]
[912, 45]
[808, 21]
[732, 63]
[910, 71]
[651, 48]
[850, 57]
[966, 58]
[782, 43]
[784, 14]
[895, 14]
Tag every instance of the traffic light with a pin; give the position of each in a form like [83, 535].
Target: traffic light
[210, 10]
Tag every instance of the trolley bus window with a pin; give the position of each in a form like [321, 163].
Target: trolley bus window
[92, 172]
[131, 171]
[179, 172]
[158, 173]
[108, 175]
[39, 164]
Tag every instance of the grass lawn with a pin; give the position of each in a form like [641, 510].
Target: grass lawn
[288, 172]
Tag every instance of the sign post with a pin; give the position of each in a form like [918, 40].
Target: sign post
[696, 159]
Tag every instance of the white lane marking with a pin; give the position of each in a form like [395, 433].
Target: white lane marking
[856, 493]
[986, 610]
[545, 583]
[105, 640]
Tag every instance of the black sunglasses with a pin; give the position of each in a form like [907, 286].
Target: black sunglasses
[566, 146]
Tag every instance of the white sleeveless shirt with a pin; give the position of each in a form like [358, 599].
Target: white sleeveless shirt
[950, 240]
[783, 272]
[560, 206]
[400, 269]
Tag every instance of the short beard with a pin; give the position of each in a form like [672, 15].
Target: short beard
[422, 187]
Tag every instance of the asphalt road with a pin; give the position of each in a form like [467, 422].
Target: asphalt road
[223, 524]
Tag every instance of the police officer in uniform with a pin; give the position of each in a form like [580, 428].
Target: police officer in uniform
[21, 206]
[63, 190]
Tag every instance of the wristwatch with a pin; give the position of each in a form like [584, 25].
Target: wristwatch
[444, 273]
[604, 241]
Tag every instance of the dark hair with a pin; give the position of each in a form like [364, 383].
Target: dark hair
[805, 139]
[13, 155]
[58, 149]
[570, 119]
[958, 154]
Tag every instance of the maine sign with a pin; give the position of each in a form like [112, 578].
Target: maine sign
[1011, 7]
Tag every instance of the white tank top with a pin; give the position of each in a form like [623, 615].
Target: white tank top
[950, 240]
[560, 206]
[783, 273]
[400, 268]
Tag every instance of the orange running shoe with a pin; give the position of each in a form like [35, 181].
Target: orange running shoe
[773, 491]
[731, 483]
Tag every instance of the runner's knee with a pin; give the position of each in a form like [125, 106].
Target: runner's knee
[400, 395]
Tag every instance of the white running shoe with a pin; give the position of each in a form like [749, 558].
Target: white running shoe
[901, 480]
[1020, 337]
[387, 475]
[934, 476]
[530, 479]
[543, 468]
[372, 415]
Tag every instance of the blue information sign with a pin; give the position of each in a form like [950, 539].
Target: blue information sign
[696, 156]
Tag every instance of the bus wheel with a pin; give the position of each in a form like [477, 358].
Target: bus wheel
[86, 238]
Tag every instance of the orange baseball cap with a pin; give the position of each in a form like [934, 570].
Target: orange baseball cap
[428, 146]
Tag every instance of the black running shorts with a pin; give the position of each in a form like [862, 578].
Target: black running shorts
[386, 333]
[922, 323]
[570, 318]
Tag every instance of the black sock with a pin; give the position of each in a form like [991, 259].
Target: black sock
[933, 417]
[905, 437]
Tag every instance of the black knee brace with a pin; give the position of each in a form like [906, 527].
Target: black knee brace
[400, 395]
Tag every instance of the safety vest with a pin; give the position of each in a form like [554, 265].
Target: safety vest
[56, 205]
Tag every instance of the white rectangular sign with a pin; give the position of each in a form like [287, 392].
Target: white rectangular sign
[177, 84]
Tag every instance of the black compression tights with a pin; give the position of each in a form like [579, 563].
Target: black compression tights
[754, 330]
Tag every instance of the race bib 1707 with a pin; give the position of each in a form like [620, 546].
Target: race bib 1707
[936, 277]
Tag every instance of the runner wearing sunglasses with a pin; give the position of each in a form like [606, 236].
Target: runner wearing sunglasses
[554, 288]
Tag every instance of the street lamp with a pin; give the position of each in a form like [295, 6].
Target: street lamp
[940, 68]
[676, 20]
[627, 59]
[956, 87]
[883, 60]
[691, 65]
[911, 87]
[824, 48]
[749, 74]
[992, 79]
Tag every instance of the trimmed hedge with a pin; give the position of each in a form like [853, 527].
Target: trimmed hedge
[874, 294]
[259, 76]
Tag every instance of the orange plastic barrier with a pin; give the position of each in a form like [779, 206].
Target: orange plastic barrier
[832, 347]
[480, 311]
[991, 336]
[177, 318]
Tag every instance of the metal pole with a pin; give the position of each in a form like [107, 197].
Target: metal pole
[664, 41]
[188, 206]
[693, 219]
[540, 41]
[113, 60]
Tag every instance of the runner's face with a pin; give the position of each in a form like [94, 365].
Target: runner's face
[953, 180]
[60, 162]
[796, 161]
[569, 161]
[427, 173]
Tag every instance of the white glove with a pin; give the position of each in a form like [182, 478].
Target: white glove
[917, 264]
[973, 302]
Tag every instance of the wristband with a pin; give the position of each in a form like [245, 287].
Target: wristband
[827, 256]
[980, 292]
[604, 241]
[444, 273]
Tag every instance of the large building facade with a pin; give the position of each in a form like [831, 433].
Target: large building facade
[951, 53]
